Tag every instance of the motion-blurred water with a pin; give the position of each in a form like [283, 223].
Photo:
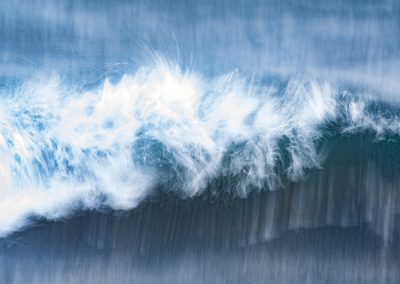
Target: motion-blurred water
[199, 141]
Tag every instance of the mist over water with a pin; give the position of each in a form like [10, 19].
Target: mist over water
[192, 142]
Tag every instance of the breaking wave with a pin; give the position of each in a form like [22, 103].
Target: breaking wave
[168, 128]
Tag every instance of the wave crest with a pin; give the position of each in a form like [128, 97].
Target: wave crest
[64, 150]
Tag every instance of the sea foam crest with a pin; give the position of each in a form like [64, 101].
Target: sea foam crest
[162, 126]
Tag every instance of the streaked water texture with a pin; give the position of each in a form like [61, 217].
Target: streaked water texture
[209, 142]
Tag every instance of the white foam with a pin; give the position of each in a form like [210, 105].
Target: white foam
[63, 150]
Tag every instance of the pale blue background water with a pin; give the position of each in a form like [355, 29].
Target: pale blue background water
[356, 42]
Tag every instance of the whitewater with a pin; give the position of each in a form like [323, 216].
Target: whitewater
[169, 128]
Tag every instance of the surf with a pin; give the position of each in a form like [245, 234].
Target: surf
[65, 149]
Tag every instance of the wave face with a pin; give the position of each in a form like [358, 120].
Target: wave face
[170, 129]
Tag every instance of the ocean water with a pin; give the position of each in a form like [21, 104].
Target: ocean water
[199, 142]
